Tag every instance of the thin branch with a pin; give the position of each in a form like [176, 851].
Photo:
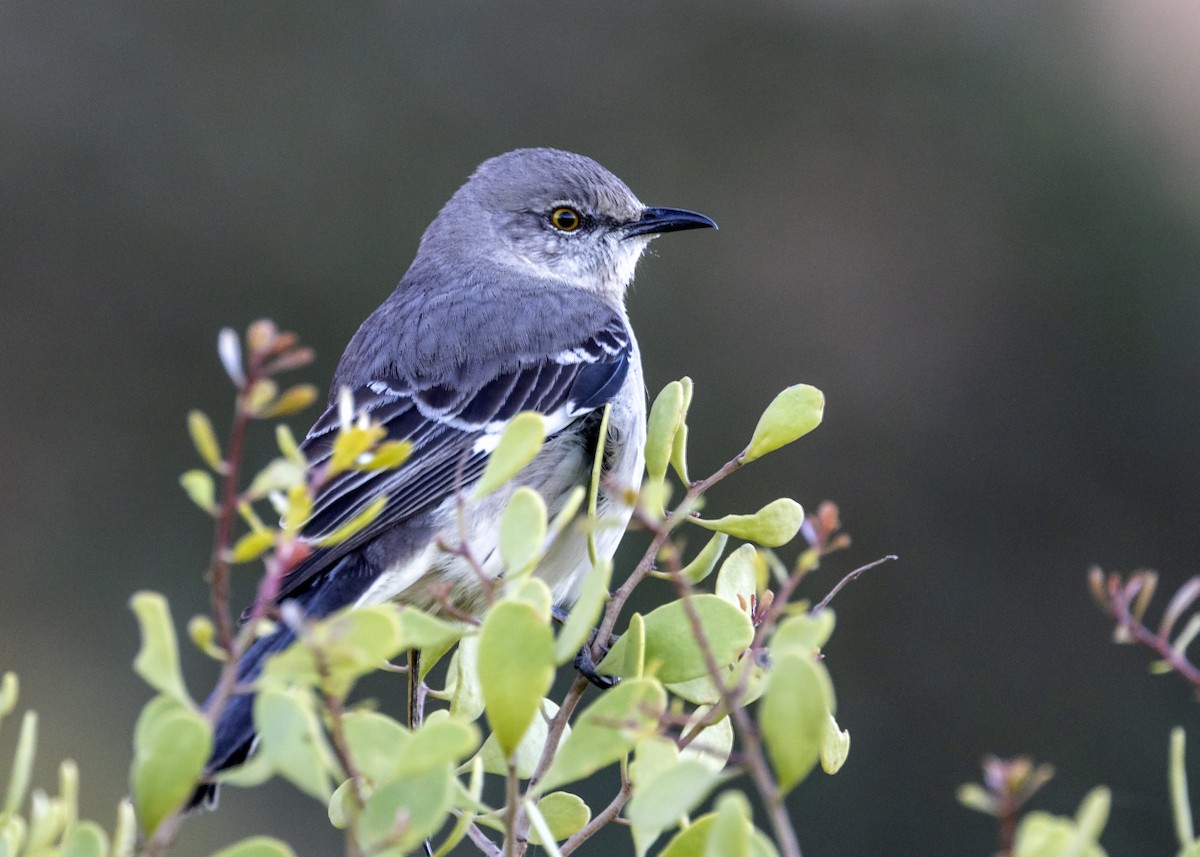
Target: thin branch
[852, 576]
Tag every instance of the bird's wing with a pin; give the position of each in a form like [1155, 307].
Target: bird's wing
[453, 428]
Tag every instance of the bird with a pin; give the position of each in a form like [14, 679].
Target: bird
[514, 301]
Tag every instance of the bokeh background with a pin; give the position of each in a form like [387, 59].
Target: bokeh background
[975, 225]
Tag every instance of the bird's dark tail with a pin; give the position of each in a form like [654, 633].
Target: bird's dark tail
[234, 736]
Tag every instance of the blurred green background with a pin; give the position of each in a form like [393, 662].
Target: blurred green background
[975, 225]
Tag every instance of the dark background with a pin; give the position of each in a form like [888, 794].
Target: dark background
[975, 225]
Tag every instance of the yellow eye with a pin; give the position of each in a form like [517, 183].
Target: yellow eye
[565, 219]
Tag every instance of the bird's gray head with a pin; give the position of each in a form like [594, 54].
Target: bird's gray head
[556, 217]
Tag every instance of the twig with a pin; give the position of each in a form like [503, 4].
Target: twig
[608, 814]
[854, 575]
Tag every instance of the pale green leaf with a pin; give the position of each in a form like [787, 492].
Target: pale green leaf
[291, 739]
[252, 545]
[419, 630]
[773, 525]
[835, 747]
[280, 474]
[257, 846]
[286, 441]
[516, 668]
[205, 440]
[22, 766]
[664, 420]
[157, 660]
[627, 657]
[170, 748]
[388, 455]
[201, 489]
[565, 815]
[68, 790]
[662, 802]
[803, 634]
[712, 746]
[87, 839]
[1181, 805]
[529, 751]
[442, 740]
[679, 447]
[352, 527]
[534, 592]
[403, 813]
[46, 820]
[466, 698]
[350, 444]
[976, 797]
[672, 652]
[9, 688]
[124, 838]
[606, 731]
[293, 400]
[794, 413]
[518, 444]
[793, 716]
[522, 530]
[377, 744]
[353, 642]
[730, 834]
[704, 562]
[737, 581]
[584, 614]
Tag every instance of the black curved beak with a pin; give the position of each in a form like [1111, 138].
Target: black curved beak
[656, 221]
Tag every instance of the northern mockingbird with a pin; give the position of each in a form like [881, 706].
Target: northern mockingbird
[515, 302]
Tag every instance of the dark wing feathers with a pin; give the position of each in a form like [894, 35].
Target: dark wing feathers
[445, 422]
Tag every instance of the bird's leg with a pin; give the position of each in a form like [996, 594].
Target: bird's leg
[584, 663]
[414, 689]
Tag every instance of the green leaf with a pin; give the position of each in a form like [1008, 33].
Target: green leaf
[704, 562]
[87, 839]
[22, 766]
[388, 455]
[157, 660]
[377, 744]
[793, 716]
[712, 746]
[565, 815]
[205, 440]
[522, 531]
[529, 751]
[291, 739]
[419, 630]
[257, 846]
[201, 489]
[667, 798]
[835, 747]
[352, 527]
[585, 613]
[521, 441]
[672, 652]
[466, 697]
[9, 687]
[773, 525]
[606, 731]
[351, 444]
[737, 581]
[171, 745]
[534, 592]
[286, 441]
[280, 474]
[353, 643]
[516, 668]
[442, 740]
[804, 634]
[976, 797]
[794, 413]
[403, 813]
[627, 657]
[664, 420]
[252, 545]
[293, 400]
[730, 834]
[124, 838]
[679, 447]
[1181, 806]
